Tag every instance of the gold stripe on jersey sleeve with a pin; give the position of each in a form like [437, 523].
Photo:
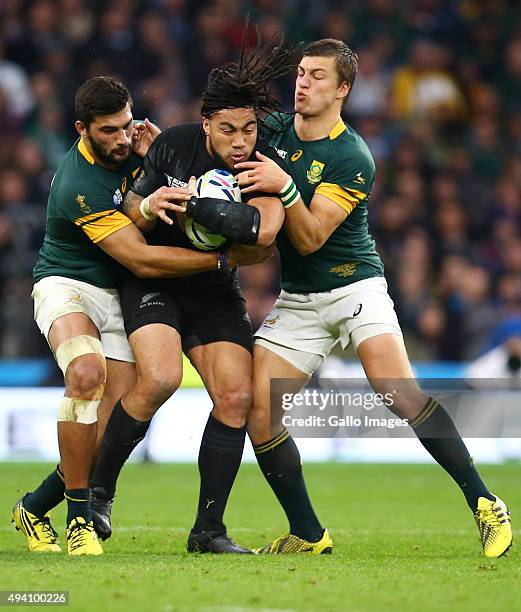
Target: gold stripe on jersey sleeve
[359, 195]
[82, 148]
[340, 196]
[100, 225]
[337, 130]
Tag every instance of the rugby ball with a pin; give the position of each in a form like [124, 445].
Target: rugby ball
[219, 184]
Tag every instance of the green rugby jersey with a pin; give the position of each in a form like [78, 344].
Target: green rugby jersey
[82, 210]
[341, 168]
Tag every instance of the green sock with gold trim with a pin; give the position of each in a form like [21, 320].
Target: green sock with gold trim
[48, 495]
[78, 504]
[436, 431]
[279, 460]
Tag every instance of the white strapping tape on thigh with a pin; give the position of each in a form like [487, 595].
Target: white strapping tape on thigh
[76, 347]
[76, 410]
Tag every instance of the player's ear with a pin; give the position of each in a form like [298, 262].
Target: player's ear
[206, 126]
[80, 128]
[343, 90]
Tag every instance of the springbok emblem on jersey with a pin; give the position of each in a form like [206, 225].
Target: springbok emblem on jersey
[314, 174]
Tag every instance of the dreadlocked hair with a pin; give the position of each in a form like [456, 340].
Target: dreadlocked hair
[247, 83]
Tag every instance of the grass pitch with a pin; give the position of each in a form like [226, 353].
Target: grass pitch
[404, 540]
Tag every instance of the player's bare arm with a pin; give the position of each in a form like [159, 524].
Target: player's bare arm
[272, 218]
[144, 212]
[130, 249]
[307, 228]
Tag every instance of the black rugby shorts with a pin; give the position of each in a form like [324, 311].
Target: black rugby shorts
[201, 317]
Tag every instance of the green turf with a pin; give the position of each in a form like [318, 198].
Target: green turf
[404, 540]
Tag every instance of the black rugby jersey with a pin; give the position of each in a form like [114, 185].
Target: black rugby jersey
[177, 154]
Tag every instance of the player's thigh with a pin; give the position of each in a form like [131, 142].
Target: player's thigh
[153, 323]
[387, 367]
[218, 339]
[63, 309]
[69, 326]
[75, 342]
[158, 354]
[223, 366]
[273, 376]
[69, 314]
[226, 371]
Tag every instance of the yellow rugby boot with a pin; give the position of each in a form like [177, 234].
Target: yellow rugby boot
[292, 544]
[82, 539]
[38, 531]
[495, 529]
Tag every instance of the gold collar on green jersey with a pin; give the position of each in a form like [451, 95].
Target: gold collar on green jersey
[337, 130]
[82, 148]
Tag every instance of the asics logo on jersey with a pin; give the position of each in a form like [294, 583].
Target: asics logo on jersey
[358, 310]
[297, 155]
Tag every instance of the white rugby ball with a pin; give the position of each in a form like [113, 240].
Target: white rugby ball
[219, 184]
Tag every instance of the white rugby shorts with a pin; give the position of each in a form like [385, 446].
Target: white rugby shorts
[55, 296]
[301, 324]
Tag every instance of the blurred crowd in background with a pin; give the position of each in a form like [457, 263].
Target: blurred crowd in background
[437, 98]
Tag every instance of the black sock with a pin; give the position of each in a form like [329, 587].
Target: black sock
[219, 460]
[449, 450]
[121, 437]
[280, 463]
[78, 504]
[47, 495]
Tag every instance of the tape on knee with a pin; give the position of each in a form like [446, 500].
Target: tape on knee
[76, 347]
[76, 410]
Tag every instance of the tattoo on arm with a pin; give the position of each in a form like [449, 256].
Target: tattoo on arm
[131, 204]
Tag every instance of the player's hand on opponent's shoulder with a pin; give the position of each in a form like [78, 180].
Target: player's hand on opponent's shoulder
[240, 255]
[171, 199]
[143, 135]
[263, 175]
